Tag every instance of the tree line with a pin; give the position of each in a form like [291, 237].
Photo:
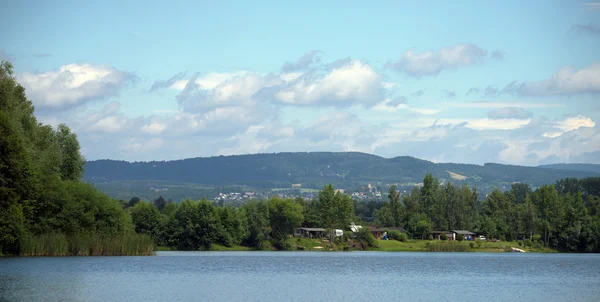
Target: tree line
[565, 216]
[197, 225]
[41, 192]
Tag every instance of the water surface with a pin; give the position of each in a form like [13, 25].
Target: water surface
[304, 276]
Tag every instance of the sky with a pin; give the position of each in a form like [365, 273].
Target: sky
[514, 82]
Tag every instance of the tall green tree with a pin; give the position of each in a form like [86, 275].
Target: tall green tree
[285, 215]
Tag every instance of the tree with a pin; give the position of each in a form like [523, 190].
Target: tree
[396, 208]
[336, 209]
[133, 201]
[549, 210]
[284, 215]
[72, 161]
[146, 218]
[528, 217]
[257, 214]
[160, 203]
[520, 191]
[384, 216]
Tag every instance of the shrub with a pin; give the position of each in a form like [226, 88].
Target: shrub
[528, 243]
[537, 238]
[472, 244]
[396, 235]
[460, 237]
[520, 243]
[365, 238]
[430, 237]
[478, 242]
[443, 236]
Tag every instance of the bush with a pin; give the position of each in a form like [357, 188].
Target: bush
[478, 242]
[472, 244]
[396, 235]
[443, 236]
[460, 237]
[528, 243]
[430, 237]
[365, 238]
[537, 238]
[520, 243]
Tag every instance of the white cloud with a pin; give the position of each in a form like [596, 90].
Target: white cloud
[391, 106]
[500, 105]
[352, 83]
[429, 63]
[154, 128]
[110, 124]
[497, 124]
[73, 84]
[210, 80]
[575, 122]
[567, 81]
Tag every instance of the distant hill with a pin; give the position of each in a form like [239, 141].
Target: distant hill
[315, 169]
[594, 168]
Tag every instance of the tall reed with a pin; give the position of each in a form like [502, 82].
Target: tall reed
[450, 246]
[85, 244]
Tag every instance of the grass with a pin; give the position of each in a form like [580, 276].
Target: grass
[447, 246]
[421, 246]
[56, 244]
[218, 247]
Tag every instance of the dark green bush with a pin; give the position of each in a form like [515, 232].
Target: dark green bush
[472, 244]
[443, 236]
[460, 237]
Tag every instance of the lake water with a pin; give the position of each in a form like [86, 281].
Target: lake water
[304, 276]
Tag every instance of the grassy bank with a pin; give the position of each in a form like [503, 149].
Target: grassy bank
[452, 246]
[56, 244]
[308, 244]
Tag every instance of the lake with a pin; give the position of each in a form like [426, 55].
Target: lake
[304, 276]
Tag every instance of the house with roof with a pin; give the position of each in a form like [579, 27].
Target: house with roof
[438, 235]
[469, 236]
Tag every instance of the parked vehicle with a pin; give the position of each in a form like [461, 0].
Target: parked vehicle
[482, 238]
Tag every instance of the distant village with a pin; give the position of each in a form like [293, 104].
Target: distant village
[366, 193]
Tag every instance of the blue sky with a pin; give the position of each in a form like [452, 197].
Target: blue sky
[506, 81]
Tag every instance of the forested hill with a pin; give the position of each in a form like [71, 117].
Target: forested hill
[315, 169]
[574, 167]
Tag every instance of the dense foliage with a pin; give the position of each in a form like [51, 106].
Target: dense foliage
[40, 188]
[565, 216]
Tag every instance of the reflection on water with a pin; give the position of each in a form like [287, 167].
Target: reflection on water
[303, 276]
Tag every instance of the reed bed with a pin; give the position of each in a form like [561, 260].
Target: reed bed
[450, 246]
[86, 244]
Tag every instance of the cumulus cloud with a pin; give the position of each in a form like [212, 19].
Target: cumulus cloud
[303, 63]
[354, 83]
[429, 63]
[509, 113]
[74, 84]
[567, 81]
